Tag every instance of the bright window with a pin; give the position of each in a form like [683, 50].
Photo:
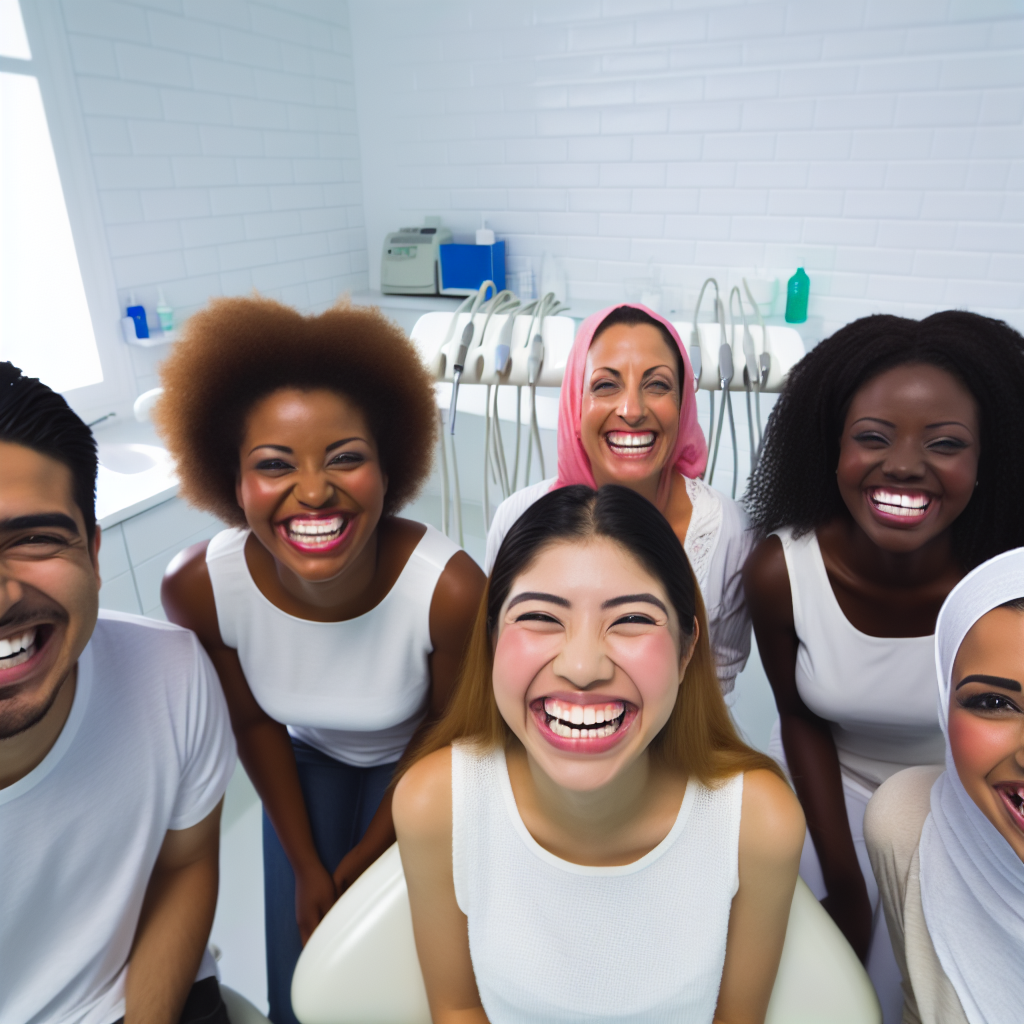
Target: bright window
[45, 326]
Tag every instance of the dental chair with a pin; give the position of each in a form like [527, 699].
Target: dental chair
[360, 965]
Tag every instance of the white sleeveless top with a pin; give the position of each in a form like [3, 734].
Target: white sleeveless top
[553, 942]
[878, 692]
[355, 690]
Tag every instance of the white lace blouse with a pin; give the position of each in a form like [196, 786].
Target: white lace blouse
[717, 543]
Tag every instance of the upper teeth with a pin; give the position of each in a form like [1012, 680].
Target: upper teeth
[315, 527]
[17, 644]
[621, 439]
[901, 502]
[584, 714]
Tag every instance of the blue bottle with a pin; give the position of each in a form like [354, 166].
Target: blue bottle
[138, 314]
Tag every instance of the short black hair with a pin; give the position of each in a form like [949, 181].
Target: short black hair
[795, 483]
[613, 511]
[36, 417]
[633, 317]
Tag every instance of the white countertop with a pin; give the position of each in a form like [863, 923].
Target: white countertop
[136, 473]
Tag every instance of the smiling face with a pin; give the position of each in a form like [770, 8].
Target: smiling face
[49, 585]
[587, 661]
[986, 720]
[310, 481]
[631, 395]
[908, 455]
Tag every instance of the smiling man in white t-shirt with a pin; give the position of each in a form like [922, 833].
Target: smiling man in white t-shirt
[115, 751]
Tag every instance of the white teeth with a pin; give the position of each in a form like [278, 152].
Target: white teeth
[599, 715]
[583, 721]
[620, 439]
[316, 531]
[16, 650]
[589, 716]
[577, 714]
[900, 502]
[567, 732]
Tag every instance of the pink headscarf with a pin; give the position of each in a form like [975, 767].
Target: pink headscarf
[690, 455]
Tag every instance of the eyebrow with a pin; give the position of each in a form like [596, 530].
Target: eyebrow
[536, 595]
[1001, 681]
[646, 373]
[630, 598]
[291, 451]
[927, 426]
[43, 520]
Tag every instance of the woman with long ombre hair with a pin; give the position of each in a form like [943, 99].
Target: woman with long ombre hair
[583, 833]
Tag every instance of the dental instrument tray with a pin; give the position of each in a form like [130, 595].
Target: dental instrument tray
[410, 261]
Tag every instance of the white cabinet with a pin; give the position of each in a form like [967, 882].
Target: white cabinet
[135, 553]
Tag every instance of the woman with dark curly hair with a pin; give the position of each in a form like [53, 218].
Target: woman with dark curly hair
[891, 467]
[337, 628]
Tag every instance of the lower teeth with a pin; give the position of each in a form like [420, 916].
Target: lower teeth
[572, 732]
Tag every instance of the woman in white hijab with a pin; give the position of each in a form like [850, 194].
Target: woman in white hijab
[947, 846]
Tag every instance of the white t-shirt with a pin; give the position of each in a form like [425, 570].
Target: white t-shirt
[147, 747]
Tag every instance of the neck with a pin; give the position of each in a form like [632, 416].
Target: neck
[346, 590]
[657, 489]
[593, 813]
[901, 569]
[23, 752]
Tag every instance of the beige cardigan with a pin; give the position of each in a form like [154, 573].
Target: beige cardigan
[892, 828]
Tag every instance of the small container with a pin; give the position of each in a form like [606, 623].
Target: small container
[797, 293]
[138, 314]
[165, 314]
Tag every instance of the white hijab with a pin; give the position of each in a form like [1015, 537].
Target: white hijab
[972, 882]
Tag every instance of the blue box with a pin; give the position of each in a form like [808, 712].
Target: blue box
[465, 267]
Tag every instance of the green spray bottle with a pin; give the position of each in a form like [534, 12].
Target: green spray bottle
[797, 293]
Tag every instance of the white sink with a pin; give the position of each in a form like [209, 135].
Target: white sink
[132, 477]
[129, 459]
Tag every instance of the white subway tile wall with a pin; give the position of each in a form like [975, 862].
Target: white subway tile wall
[878, 144]
[224, 147]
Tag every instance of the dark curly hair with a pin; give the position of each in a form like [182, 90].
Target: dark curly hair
[34, 416]
[795, 484]
[237, 351]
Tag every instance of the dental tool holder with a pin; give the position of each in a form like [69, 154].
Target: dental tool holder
[785, 347]
[557, 332]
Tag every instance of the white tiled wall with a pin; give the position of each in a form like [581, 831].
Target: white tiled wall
[224, 145]
[878, 142]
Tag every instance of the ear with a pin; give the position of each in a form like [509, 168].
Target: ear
[687, 653]
[94, 553]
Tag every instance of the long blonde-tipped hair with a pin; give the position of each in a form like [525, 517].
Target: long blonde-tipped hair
[699, 738]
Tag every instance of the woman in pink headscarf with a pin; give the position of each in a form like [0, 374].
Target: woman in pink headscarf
[628, 415]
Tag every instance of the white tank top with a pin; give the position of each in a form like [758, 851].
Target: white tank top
[554, 942]
[878, 692]
[356, 690]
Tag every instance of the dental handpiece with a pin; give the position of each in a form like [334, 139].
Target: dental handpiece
[534, 360]
[458, 365]
[503, 349]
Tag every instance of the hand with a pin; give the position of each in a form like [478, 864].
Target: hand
[352, 865]
[850, 908]
[315, 894]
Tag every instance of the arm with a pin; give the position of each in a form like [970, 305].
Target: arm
[771, 837]
[810, 748]
[423, 820]
[264, 747]
[453, 610]
[175, 922]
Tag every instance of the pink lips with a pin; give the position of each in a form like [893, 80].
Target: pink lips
[1012, 801]
[316, 535]
[19, 673]
[900, 508]
[616, 712]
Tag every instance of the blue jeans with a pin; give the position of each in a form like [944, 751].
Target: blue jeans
[340, 801]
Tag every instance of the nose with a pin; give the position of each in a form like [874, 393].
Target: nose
[583, 661]
[904, 461]
[11, 590]
[314, 488]
[632, 409]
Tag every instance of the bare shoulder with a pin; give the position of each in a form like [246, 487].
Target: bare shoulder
[461, 582]
[772, 825]
[422, 805]
[766, 579]
[896, 813]
[187, 594]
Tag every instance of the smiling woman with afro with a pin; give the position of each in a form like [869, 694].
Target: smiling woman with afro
[337, 628]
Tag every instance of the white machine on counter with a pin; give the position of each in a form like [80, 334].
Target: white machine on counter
[494, 339]
[410, 262]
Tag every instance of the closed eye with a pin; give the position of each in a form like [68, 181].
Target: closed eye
[348, 459]
[634, 619]
[273, 465]
[871, 437]
[949, 444]
[537, 617]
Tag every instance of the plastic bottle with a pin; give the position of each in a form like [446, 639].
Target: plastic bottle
[138, 314]
[165, 314]
[797, 292]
